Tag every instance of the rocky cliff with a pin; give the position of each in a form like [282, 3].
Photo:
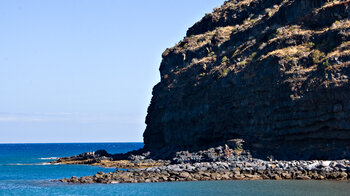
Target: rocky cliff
[271, 72]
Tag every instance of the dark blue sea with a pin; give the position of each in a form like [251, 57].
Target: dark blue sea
[23, 172]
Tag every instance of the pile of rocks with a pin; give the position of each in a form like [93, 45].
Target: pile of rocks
[211, 155]
[236, 170]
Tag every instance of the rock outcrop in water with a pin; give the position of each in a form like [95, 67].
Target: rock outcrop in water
[272, 72]
[213, 164]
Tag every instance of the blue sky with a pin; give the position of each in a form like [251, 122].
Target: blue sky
[83, 71]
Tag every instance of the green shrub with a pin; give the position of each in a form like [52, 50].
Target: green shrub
[225, 72]
[244, 62]
[310, 44]
[325, 64]
[288, 58]
[252, 56]
[224, 59]
[238, 147]
[318, 56]
[235, 53]
[211, 54]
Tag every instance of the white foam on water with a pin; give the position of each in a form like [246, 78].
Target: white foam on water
[33, 164]
[48, 158]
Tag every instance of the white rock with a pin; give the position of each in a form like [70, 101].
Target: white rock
[312, 166]
[325, 163]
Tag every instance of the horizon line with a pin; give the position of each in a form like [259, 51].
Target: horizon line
[65, 142]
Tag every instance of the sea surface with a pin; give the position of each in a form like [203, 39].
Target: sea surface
[23, 172]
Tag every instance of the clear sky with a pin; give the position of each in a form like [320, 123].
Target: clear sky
[83, 70]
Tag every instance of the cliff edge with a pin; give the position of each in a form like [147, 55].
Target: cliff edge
[271, 72]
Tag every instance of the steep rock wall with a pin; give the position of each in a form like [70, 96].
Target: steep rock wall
[274, 73]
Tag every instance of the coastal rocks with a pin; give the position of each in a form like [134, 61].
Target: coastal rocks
[219, 163]
[97, 155]
[104, 159]
[211, 155]
[297, 170]
[144, 160]
[141, 157]
[101, 153]
[87, 158]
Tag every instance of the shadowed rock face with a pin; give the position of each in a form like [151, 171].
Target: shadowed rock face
[274, 73]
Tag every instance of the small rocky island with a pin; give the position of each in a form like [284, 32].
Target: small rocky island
[272, 73]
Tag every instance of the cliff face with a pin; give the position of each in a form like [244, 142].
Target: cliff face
[272, 72]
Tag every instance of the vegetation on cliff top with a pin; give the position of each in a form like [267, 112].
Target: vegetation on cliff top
[250, 31]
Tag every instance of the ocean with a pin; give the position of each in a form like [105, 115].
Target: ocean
[23, 172]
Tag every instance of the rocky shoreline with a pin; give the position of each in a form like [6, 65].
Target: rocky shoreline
[255, 170]
[210, 164]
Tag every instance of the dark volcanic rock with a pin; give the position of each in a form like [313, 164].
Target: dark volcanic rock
[93, 156]
[101, 153]
[274, 73]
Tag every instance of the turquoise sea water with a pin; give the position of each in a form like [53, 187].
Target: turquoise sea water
[22, 172]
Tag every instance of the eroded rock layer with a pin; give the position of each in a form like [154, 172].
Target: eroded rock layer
[274, 73]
